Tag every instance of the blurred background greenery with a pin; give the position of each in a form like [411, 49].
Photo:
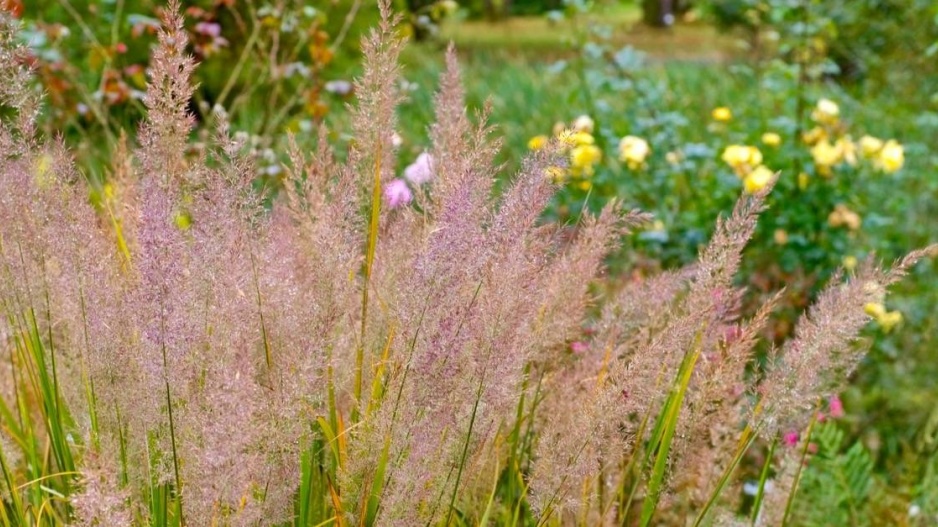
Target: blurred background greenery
[688, 77]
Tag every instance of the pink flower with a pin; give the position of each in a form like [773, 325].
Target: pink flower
[579, 347]
[397, 193]
[732, 333]
[790, 439]
[836, 407]
[210, 29]
[421, 170]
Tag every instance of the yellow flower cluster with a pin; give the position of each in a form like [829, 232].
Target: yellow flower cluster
[578, 143]
[583, 152]
[746, 162]
[830, 147]
[842, 216]
[887, 156]
[827, 155]
[886, 319]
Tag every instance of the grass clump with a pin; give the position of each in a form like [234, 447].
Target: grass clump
[371, 350]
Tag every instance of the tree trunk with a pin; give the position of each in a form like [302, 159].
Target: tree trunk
[658, 13]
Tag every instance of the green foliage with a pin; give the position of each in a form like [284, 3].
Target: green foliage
[837, 483]
[864, 39]
[267, 64]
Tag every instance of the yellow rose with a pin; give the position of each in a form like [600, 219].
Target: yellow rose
[537, 142]
[870, 146]
[814, 135]
[584, 123]
[758, 179]
[742, 158]
[826, 155]
[891, 157]
[826, 111]
[890, 320]
[842, 216]
[771, 139]
[633, 151]
[721, 114]
[848, 150]
[874, 309]
[887, 320]
[574, 138]
[583, 157]
[555, 174]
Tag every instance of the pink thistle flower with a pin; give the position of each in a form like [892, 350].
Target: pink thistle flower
[421, 170]
[579, 347]
[836, 407]
[790, 439]
[397, 193]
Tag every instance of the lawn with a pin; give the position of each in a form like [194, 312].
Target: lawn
[541, 35]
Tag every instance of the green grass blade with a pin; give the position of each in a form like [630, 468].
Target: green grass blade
[369, 266]
[465, 449]
[763, 478]
[672, 413]
[745, 441]
[377, 485]
[790, 504]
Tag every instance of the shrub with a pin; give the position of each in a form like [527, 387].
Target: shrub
[370, 350]
[267, 65]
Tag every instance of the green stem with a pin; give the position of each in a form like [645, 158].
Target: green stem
[465, 449]
[790, 504]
